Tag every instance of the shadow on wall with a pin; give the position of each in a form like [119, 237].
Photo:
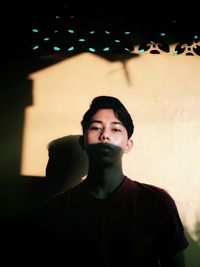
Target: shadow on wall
[192, 253]
[67, 164]
[16, 95]
[21, 193]
[66, 167]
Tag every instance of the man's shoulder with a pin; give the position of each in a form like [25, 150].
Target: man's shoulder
[154, 200]
[149, 191]
[60, 196]
[141, 186]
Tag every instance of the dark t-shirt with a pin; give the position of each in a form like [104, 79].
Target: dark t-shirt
[135, 226]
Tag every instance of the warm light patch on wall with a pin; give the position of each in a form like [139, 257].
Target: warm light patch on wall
[163, 95]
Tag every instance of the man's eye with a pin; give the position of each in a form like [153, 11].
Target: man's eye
[116, 130]
[94, 128]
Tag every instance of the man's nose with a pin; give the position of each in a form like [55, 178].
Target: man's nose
[104, 136]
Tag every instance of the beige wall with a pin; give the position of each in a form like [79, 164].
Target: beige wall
[162, 92]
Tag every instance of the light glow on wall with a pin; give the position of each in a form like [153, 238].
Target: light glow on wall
[163, 95]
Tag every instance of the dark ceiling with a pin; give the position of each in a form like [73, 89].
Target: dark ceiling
[145, 21]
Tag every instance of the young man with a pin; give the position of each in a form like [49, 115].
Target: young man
[109, 220]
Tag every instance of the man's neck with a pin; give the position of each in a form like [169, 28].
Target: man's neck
[102, 182]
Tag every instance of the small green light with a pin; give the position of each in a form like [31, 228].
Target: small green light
[81, 40]
[141, 51]
[106, 49]
[117, 41]
[196, 37]
[70, 31]
[92, 49]
[92, 32]
[127, 49]
[163, 34]
[127, 33]
[107, 32]
[56, 48]
[35, 47]
[35, 30]
[70, 48]
[46, 39]
[55, 31]
[175, 52]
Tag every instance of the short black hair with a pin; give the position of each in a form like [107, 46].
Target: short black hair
[108, 102]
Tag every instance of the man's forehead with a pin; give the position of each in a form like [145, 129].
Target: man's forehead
[105, 115]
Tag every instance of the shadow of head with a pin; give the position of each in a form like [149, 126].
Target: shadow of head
[192, 253]
[67, 164]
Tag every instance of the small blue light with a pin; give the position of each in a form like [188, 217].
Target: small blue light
[46, 39]
[163, 34]
[55, 48]
[70, 48]
[92, 32]
[127, 49]
[35, 47]
[92, 49]
[106, 49]
[35, 30]
[175, 52]
[81, 40]
[141, 51]
[70, 31]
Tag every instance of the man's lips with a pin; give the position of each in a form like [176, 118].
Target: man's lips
[102, 148]
[105, 147]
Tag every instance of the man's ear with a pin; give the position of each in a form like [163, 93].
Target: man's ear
[82, 142]
[129, 146]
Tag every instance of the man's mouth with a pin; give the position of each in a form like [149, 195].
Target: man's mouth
[101, 148]
[105, 147]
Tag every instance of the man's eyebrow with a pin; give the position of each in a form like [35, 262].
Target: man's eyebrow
[117, 122]
[113, 122]
[96, 121]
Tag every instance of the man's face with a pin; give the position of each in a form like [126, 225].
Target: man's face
[107, 132]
